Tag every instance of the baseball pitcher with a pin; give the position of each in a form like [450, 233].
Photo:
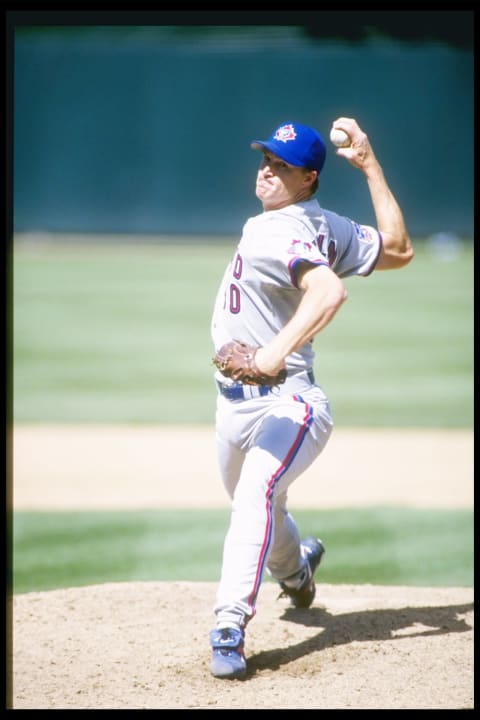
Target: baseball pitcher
[282, 287]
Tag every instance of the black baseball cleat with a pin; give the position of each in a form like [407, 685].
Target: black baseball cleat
[303, 595]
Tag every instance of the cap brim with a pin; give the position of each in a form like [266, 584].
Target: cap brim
[276, 149]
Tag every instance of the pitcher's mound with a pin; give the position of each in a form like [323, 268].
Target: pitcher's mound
[145, 645]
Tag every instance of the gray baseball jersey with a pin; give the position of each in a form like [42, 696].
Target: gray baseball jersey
[259, 294]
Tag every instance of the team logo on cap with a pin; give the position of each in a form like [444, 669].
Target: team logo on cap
[285, 133]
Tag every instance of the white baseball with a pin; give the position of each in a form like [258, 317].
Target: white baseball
[339, 137]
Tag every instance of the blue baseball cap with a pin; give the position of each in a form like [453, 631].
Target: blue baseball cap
[296, 144]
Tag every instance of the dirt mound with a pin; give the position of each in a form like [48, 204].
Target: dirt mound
[145, 646]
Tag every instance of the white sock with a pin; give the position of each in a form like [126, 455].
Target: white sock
[297, 580]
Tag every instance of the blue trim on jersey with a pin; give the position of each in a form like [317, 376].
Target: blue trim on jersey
[292, 266]
[375, 261]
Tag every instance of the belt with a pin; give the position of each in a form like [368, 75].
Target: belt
[238, 391]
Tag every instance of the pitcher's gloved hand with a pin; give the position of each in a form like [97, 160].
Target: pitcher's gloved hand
[236, 360]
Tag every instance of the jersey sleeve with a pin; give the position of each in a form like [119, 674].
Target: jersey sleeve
[352, 248]
[290, 245]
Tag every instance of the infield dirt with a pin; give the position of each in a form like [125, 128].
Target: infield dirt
[145, 645]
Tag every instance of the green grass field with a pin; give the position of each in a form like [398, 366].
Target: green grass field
[377, 546]
[120, 333]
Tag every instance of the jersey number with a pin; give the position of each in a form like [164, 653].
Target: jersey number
[234, 292]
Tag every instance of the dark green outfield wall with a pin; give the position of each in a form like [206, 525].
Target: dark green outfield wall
[138, 130]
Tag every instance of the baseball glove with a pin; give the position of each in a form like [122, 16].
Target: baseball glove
[236, 360]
